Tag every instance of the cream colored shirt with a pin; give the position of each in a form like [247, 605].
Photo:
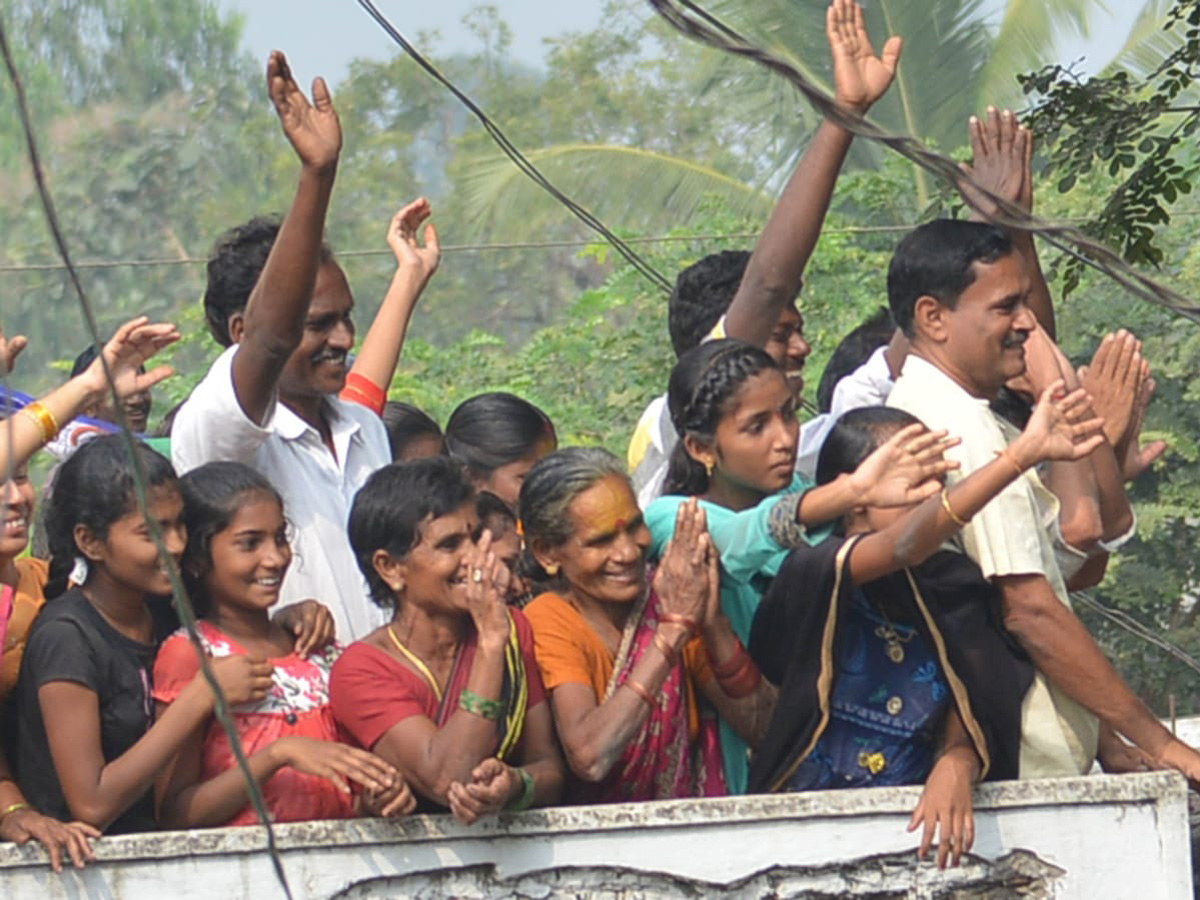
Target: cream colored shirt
[1012, 535]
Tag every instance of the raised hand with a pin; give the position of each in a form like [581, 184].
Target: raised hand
[1133, 458]
[859, 76]
[487, 591]
[1002, 162]
[905, 469]
[682, 579]
[493, 785]
[10, 349]
[126, 353]
[420, 262]
[1114, 381]
[312, 128]
[1062, 427]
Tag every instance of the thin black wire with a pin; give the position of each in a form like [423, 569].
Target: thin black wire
[700, 25]
[510, 150]
[1123, 620]
[182, 603]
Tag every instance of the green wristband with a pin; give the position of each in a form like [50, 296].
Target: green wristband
[527, 789]
[471, 702]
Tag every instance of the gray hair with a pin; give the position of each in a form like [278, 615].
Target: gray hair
[554, 483]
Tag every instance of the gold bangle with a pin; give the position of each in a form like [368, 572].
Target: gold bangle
[665, 648]
[961, 523]
[640, 689]
[1007, 457]
[38, 412]
[4, 813]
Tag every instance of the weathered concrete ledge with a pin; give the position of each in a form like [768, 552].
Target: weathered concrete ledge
[1089, 837]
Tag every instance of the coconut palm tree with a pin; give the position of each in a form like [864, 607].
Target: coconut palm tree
[959, 56]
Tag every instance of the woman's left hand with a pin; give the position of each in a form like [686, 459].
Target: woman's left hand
[72, 839]
[487, 590]
[310, 622]
[493, 785]
[905, 469]
[945, 807]
[682, 578]
[389, 802]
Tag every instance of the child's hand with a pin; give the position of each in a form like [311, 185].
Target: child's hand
[242, 679]
[905, 469]
[10, 349]
[310, 622]
[336, 763]
[945, 806]
[417, 261]
[312, 128]
[72, 839]
[1062, 427]
[391, 802]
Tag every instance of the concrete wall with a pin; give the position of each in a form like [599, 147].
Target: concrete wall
[1094, 837]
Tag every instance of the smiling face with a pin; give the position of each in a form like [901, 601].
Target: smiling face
[604, 559]
[434, 573]
[127, 554]
[16, 505]
[754, 448]
[983, 337]
[318, 366]
[788, 347]
[249, 558]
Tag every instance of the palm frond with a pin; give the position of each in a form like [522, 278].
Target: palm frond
[1148, 43]
[626, 187]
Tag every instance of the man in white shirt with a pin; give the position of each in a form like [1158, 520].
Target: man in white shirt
[270, 399]
[960, 293]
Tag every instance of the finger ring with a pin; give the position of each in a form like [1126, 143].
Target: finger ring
[477, 575]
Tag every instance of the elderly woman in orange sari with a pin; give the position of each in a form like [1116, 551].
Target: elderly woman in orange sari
[636, 662]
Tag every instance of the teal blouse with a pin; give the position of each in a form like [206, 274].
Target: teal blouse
[750, 558]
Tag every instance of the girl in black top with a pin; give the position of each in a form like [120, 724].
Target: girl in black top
[87, 746]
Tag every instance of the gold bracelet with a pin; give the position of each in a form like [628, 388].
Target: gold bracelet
[640, 689]
[665, 648]
[38, 412]
[961, 523]
[4, 813]
[1007, 457]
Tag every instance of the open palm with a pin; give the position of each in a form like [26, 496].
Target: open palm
[1063, 427]
[905, 469]
[313, 128]
[859, 76]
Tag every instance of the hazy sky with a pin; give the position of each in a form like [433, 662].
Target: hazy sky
[322, 36]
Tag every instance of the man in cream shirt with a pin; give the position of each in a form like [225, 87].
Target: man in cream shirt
[960, 292]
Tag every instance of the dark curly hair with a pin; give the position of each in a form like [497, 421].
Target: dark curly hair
[702, 294]
[702, 385]
[212, 495]
[236, 261]
[95, 488]
[389, 509]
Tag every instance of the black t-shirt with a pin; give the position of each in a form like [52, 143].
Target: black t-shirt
[71, 641]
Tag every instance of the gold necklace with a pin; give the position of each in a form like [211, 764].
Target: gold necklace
[415, 660]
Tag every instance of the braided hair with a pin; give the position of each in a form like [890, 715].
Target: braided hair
[703, 383]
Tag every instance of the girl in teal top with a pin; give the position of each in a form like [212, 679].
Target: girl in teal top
[736, 418]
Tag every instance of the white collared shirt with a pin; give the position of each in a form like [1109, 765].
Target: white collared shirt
[1012, 535]
[317, 487]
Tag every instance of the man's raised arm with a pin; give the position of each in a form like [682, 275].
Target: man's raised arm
[776, 268]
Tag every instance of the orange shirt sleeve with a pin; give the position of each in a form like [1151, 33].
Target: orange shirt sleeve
[568, 652]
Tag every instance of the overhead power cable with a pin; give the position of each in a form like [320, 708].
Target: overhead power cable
[182, 603]
[693, 21]
[510, 150]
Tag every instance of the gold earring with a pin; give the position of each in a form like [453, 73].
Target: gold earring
[552, 569]
[708, 467]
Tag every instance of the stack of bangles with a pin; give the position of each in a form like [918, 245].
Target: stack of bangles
[469, 701]
[39, 413]
[738, 676]
[527, 790]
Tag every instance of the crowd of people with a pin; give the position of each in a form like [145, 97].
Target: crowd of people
[471, 619]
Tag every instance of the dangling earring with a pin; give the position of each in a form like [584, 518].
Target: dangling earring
[551, 569]
[708, 467]
[79, 571]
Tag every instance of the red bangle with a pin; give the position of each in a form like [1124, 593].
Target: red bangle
[640, 689]
[361, 390]
[732, 665]
[742, 684]
[679, 619]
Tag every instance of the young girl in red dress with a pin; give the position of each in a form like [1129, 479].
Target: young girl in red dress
[236, 557]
